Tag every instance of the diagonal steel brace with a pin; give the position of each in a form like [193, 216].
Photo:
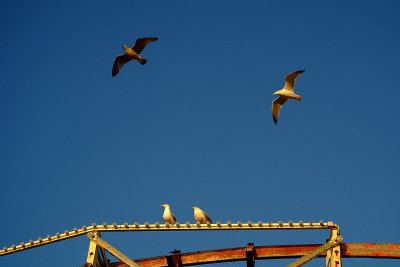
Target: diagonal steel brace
[316, 252]
[103, 244]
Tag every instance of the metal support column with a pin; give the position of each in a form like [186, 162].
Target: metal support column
[93, 255]
[250, 255]
[174, 260]
[333, 256]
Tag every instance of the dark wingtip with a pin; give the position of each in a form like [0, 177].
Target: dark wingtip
[275, 120]
[301, 71]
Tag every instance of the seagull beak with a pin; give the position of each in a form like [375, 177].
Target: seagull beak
[161, 205]
[192, 207]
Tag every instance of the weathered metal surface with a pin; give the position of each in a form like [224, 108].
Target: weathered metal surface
[316, 252]
[370, 250]
[348, 250]
[174, 260]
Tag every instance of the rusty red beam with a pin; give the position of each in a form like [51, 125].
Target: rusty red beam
[370, 250]
[348, 250]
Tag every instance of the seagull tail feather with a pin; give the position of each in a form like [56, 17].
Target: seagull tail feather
[142, 61]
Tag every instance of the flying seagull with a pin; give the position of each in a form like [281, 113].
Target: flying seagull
[132, 53]
[201, 216]
[168, 216]
[285, 93]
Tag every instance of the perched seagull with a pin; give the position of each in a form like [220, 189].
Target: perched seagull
[285, 93]
[132, 53]
[201, 216]
[168, 216]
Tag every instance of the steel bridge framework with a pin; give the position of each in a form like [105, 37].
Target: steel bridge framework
[333, 250]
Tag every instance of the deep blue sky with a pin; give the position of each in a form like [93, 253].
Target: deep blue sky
[194, 127]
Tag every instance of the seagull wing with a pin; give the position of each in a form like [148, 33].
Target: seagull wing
[119, 62]
[141, 43]
[276, 107]
[173, 217]
[207, 217]
[290, 80]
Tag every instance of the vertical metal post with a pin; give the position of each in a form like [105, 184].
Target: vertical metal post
[328, 258]
[335, 258]
[93, 254]
[174, 260]
[250, 254]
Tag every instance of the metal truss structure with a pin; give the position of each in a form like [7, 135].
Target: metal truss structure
[333, 250]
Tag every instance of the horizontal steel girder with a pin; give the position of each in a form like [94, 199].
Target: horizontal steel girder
[348, 250]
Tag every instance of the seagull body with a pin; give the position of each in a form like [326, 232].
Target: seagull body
[132, 53]
[286, 93]
[200, 216]
[168, 217]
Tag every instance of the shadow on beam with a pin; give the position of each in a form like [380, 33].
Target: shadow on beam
[348, 250]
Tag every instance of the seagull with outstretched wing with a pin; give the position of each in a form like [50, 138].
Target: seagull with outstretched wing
[132, 53]
[284, 94]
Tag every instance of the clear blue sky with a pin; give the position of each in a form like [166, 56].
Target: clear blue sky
[194, 127]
